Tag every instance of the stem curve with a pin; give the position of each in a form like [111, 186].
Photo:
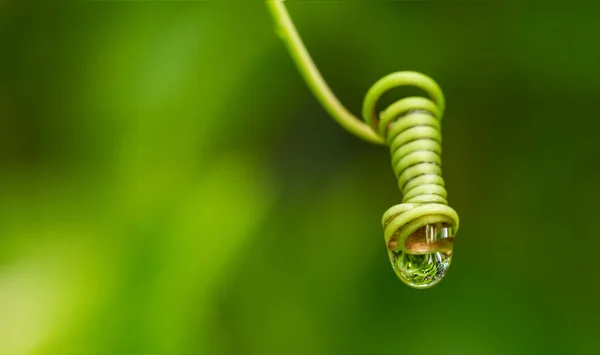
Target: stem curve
[287, 31]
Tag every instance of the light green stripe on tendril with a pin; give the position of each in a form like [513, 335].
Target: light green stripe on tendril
[314, 79]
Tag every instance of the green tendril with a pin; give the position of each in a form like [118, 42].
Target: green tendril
[419, 232]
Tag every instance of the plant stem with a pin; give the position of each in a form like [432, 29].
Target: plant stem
[314, 79]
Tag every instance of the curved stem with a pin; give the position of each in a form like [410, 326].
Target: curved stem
[314, 79]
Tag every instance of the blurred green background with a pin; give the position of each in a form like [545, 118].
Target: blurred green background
[169, 185]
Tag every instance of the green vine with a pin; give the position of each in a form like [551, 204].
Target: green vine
[287, 31]
[419, 233]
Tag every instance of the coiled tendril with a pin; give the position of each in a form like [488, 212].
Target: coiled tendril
[419, 232]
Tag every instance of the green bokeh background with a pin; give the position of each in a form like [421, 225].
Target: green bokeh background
[169, 185]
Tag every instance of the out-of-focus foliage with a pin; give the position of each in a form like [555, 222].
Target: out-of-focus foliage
[169, 185]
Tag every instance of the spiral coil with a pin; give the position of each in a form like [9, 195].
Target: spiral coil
[411, 128]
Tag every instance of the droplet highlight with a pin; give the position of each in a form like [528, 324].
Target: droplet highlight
[426, 257]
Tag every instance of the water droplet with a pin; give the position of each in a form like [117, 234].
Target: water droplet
[428, 256]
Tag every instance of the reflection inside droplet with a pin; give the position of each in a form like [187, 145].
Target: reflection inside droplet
[427, 256]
